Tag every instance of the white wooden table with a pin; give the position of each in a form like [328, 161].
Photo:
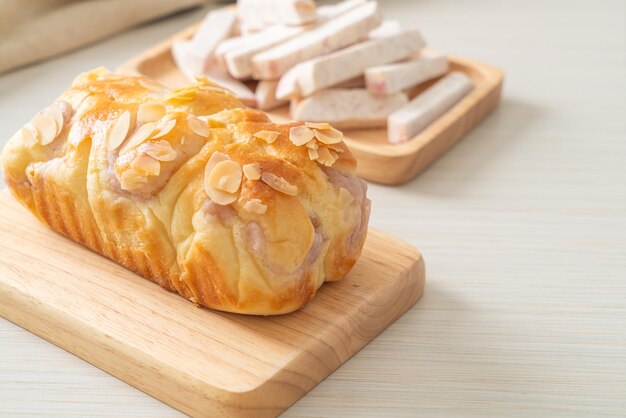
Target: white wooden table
[523, 227]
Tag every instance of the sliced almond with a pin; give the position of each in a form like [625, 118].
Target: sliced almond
[119, 131]
[279, 184]
[98, 72]
[150, 112]
[164, 128]
[329, 136]
[86, 105]
[86, 77]
[216, 89]
[146, 165]
[202, 79]
[267, 136]
[28, 135]
[77, 98]
[66, 109]
[255, 206]
[318, 125]
[313, 154]
[345, 198]
[325, 157]
[218, 196]
[204, 83]
[129, 180]
[300, 135]
[178, 98]
[226, 176]
[212, 122]
[161, 150]
[216, 157]
[46, 128]
[56, 114]
[110, 77]
[139, 137]
[312, 145]
[252, 171]
[336, 147]
[198, 126]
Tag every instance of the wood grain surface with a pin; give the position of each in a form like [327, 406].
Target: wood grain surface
[522, 224]
[379, 160]
[202, 362]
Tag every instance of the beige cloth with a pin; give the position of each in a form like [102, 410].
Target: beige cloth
[33, 30]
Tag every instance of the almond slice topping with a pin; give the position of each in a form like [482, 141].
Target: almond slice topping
[325, 157]
[279, 184]
[216, 157]
[252, 171]
[66, 110]
[78, 98]
[198, 126]
[129, 180]
[312, 145]
[218, 196]
[202, 79]
[255, 206]
[313, 154]
[164, 128]
[150, 112]
[146, 165]
[46, 128]
[110, 77]
[267, 136]
[336, 147]
[138, 137]
[300, 135]
[98, 72]
[28, 135]
[213, 123]
[226, 176]
[318, 125]
[216, 89]
[56, 114]
[161, 150]
[86, 105]
[329, 136]
[87, 76]
[119, 130]
[345, 198]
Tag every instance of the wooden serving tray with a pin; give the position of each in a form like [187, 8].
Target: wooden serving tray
[378, 160]
[202, 362]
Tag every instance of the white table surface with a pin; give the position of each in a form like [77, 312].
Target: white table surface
[522, 225]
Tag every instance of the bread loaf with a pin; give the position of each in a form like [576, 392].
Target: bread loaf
[194, 191]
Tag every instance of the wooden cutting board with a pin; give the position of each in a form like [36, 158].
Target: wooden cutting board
[202, 362]
[378, 160]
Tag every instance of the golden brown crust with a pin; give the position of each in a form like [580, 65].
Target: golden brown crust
[155, 180]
